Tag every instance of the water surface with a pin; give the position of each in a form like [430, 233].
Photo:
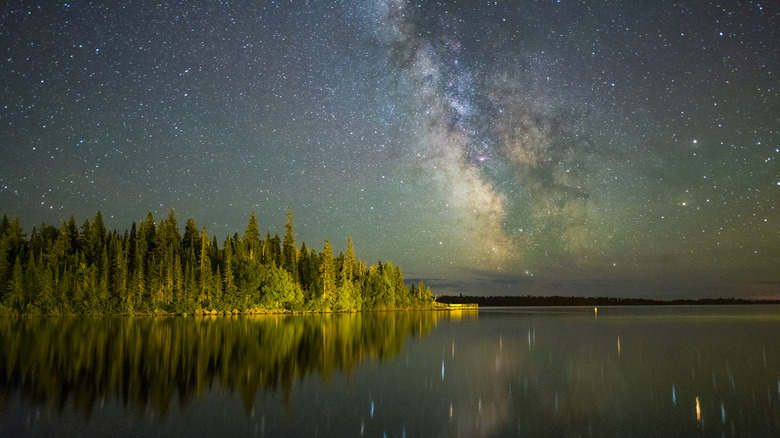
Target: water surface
[621, 371]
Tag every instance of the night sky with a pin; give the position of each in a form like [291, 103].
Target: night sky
[512, 147]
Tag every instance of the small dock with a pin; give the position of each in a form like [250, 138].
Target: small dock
[447, 306]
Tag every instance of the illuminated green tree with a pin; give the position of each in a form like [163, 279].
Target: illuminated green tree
[280, 290]
[328, 276]
[44, 299]
[229, 284]
[191, 238]
[119, 277]
[97, 238]
[15, 297]
[349, 294]
[289, 251]
[204, 272]
[252, 237]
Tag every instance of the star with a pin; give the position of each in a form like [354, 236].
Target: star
[450, 138]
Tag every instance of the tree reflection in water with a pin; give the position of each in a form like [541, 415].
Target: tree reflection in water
[149, 362]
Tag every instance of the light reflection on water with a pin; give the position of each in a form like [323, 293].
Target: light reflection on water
[649, 371]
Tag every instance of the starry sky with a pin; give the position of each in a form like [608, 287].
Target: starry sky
[492, 148]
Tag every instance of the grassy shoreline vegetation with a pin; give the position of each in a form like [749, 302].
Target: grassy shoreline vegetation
[153, 269]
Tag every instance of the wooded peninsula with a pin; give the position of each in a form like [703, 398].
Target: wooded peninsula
[154, 269]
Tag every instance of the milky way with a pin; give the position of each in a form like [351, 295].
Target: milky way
[548, 147]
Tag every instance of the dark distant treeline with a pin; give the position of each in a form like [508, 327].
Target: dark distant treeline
[529, 300]
[153, 268]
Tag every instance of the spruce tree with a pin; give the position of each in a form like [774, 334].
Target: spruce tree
[150, 231]
[44, 300]
[73, 233]
[252, 237]
[97, 239]
[31, 285]
[276, 251]
[289, 251]
[138, 289]
[6, 266]
[229, 285]
[15, 297]
[170, 230]
[86, 241]
[120, 274]
[191, 237]
[216, 297]
[328, 276]
[204, 272]
[103, 286]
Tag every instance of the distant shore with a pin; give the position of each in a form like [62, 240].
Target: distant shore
[528, 300]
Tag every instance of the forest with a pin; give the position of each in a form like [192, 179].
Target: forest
[154, 269]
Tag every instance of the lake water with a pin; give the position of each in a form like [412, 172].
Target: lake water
[621, 371]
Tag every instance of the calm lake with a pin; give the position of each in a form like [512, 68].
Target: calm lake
[621, 371]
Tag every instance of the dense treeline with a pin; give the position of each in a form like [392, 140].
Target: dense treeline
[153, 268]
[529, 300]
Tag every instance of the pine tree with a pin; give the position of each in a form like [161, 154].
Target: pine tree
[64, 285]
[6, 267]
[328, 276]
[204, 272]
[119, 278]
[34, 246]
[73, 233]
[401, 292]
[170, 230]
[267, 251]
[15, 297]
[85, 241]
[216, 289]
[276, 250]
[214, 252]
[178, 283]
[303, 265]
[101, 296]
[424, 293]
[31, 285]
[348, 296]
[5, 223]
[289, 251]
[150, 231]
[44, 300]
[252, 237]
[80, 284]
[97, 238]
[388, 298]
[190, 286]
[138, 289]
[229, 285]
[64, 245]
[376, 287]
[191, 237]
[130, 247]
[350, 266]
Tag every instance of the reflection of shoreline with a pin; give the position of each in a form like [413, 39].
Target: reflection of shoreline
[151, 361]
